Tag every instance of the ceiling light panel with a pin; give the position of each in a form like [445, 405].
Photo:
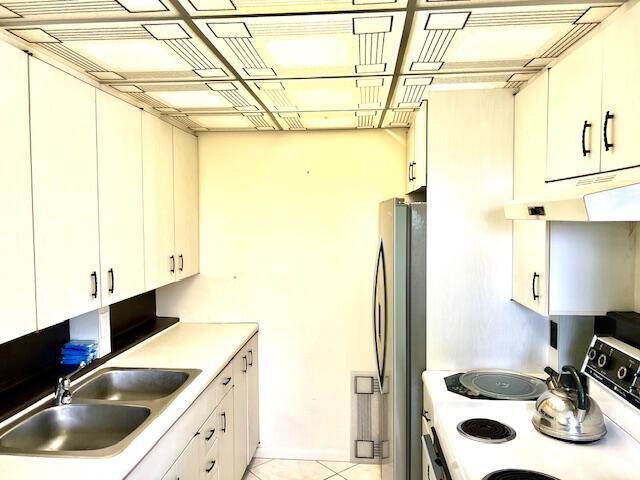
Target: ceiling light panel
[21, 11]
[227, 122]
[329, 120]
[497, 39]
[364, 93]
[308, 46]
[192, 97]
[128, 51]
[251, 7]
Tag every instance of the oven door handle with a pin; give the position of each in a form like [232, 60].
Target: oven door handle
[434, 460]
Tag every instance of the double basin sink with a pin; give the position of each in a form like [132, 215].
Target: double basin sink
[108, 410]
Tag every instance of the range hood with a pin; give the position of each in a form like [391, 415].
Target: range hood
[597, 199]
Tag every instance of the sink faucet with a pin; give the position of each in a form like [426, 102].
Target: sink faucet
[63, 395]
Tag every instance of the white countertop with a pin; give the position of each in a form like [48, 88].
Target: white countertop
[615, 457]
[205, 346]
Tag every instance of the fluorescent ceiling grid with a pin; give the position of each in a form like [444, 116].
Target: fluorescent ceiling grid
[299, 64]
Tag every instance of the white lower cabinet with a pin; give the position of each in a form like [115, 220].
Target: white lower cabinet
[217, 429]
[186, 466]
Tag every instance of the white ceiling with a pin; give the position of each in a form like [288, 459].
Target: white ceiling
[300, 64]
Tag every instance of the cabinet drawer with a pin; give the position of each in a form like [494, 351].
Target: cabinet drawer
[209, 432]
[224, 381]
[210, 462]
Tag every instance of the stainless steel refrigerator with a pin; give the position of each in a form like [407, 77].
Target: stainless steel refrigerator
[399, 326]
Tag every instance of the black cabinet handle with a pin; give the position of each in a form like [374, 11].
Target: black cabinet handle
[173, 263]
[211, 433]
[112, 280]
[94, 277]
[213, 464]
[607, 117]
[181, 258]
[533, 286]
[585, 151]
[246, 364]
[250, 358]
[224, 417]
[226, 382]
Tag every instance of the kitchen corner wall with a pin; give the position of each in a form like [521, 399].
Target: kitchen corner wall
[471, 322]
[288, 225]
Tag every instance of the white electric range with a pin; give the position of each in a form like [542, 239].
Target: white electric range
[449, 455]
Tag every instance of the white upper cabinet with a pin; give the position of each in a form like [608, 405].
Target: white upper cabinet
[17, 282]
[417, 151]
[620, 95]
[157, 168]
[120, 193]
[185, 184]
[65, 194]
[574, 113]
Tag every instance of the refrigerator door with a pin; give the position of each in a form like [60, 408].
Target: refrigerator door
[393, 238]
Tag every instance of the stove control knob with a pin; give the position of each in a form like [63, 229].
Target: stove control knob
[623, 373]
[593, 353]
[604, 361]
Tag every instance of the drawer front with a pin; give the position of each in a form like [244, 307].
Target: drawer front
[210, 466]
[209, 433]
[224, 381]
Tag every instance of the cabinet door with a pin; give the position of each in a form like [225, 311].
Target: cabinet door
[411, 145]
[17, 282]
[120, 198]
[531, 265]
[420, 148]
[530, 139]
[253, 410]
[574, 113]
[185, 185]
[186, 466]
[157, 174]
[65, 194]
[226, 447]
[240, 407]
[620, 96]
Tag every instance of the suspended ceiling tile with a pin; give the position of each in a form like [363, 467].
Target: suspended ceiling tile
[20, 11]
[227, 121]
[329, 120]
[192, 97]
[308, 46]
[132, 51]
[398, 117]
[497, 38]
[251, 7]
[362, 93]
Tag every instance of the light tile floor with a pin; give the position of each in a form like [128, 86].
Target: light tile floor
[279, 469]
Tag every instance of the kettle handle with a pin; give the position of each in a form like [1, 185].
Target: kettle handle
[582, 394]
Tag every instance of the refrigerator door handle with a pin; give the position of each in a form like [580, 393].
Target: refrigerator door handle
[379, 312]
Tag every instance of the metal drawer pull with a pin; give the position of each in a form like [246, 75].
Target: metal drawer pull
[211, 433]
[213, 464]
[250, 358]
[607, 117]
[113, 280]
[246, 364]
[94, 276]
[173, 263]
[533, 286]
[181, 258]
[585, 150]
[224, 417]
[226, 382]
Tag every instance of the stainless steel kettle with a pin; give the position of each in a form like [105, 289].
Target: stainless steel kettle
[566, 411]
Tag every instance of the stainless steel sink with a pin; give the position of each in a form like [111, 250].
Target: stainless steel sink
[108, 410]
[72, 428]
[131, 385]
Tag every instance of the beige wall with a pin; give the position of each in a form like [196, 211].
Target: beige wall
[288, 238]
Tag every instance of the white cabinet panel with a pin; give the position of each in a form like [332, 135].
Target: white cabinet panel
[120, 193]
[17, 282]
[186, 466]
[574, 113]
[157, 171]
[65, 194]
[185, 175]
[240, 407]
[417, 151]
[253, 403]
[411, 152]
[620, 95]
[226, 446]
[530, 265]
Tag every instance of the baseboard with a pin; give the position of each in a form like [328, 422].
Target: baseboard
[303, 454]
